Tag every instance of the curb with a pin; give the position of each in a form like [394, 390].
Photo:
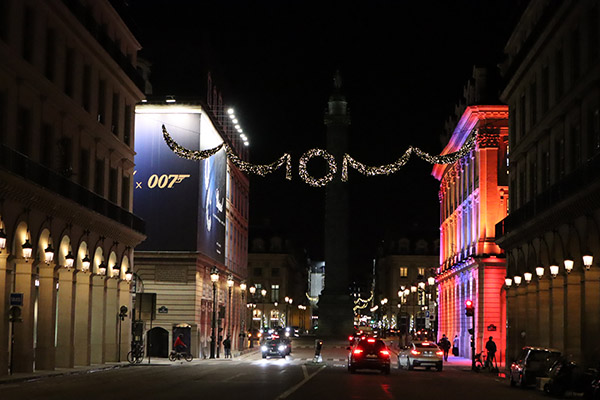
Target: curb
[53, 374]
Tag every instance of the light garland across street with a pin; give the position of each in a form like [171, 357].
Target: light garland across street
[286, 159]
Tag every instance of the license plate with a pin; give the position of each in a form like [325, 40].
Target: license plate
[372, 356]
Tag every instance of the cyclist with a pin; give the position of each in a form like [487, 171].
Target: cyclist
[490, 346]
[179, 345]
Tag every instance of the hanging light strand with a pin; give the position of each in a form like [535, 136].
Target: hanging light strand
[195, 155]
[372, 171]
[447, 158]
[261, 170]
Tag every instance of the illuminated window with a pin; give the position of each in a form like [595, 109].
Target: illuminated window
[422, 271]
[275, 314]
[403, 272]
[274, 293]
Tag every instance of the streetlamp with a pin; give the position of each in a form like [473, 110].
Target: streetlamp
[288, 302]
[214, 277]
[242, 316]
[230, 283]
[263, 293]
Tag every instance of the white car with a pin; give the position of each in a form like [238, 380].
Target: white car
[421, 354]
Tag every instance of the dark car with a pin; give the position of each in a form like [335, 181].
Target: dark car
[275, 347]
[533, 362]
[369, 353]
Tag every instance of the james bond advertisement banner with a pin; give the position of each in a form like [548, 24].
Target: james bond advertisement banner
[166, 186]
[211, 210]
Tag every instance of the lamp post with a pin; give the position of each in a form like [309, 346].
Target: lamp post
[263, 293]
[230, 283]
[242, 334]
[288, 302]
[214, 277]
[413, 289]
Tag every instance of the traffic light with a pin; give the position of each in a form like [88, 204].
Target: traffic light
[469, 308]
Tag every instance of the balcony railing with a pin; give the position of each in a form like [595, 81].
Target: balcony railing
[31, 171]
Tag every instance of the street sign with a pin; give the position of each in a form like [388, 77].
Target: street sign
[16, 299]
[163, 310]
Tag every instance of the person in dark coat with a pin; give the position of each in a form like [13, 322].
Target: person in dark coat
[491, 348]
[445, 346]
[227, 347]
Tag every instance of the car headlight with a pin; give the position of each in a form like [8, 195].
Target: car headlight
[287, 334]
[281, 347]
[264, 348]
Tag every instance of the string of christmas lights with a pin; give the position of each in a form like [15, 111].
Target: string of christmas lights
[348, 160]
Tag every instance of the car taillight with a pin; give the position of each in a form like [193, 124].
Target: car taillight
[350, 337]
[385, 352]
[415, 352]
[357, 351]
[439, 353]
[371, 340]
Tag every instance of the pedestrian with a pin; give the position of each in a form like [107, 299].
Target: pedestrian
[455, 346]
[227, 347]
[491, 348]
[204, 347]
[445, 345]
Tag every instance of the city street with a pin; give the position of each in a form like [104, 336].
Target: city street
[296, 377]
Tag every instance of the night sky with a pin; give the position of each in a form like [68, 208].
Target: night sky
[403, 64]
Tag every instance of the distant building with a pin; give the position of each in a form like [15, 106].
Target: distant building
[552, 72]
[405, 299]
[68, 88]
[473, 198]
[197, 219]
[275, 267]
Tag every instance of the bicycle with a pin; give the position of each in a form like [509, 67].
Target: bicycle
[175, 355]
[136, 355]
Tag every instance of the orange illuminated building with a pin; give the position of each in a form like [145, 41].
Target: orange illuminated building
[473, 198]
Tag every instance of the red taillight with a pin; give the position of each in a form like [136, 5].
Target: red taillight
[363, 338]
[350, 337]
[357, 351]
[415, 352]
[371, 340]
[439, 353]
[425, 344]
[385, 352]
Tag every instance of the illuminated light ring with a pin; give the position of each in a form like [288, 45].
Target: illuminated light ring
[196, 155]
[330, 162]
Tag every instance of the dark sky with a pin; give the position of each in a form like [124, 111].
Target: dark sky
[404, 65]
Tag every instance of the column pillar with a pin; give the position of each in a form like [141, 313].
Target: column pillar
[557, 304]
[125, 327]
[65, 348]
[544, 312]
[82, 318]
[45, 352]
[591, 322]
[573, 308]
[4, 307]
[521, 315]
[532, 327]
[98, 312]
[512, 327]
[23, 331]
[110, 322]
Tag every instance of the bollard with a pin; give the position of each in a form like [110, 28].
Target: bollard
[318, 346]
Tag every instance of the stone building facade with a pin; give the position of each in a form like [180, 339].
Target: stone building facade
[552, 73]
[68, 87]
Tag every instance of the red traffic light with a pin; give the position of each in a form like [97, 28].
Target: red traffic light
[469, 303]
[469, 308]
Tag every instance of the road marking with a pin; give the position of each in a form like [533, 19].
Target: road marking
[291, 390]
[233, 377]
[305, 371]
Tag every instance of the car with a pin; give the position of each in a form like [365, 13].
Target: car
[369, 353]
[421, 354]
[275, 347]
[533, 362]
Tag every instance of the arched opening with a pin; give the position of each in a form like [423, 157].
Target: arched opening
[158, 342]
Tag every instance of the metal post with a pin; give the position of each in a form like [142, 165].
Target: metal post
[214, 322]
[242, 334]
[473, 344]
[229, 314]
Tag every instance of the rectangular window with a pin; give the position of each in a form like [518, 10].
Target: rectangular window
[125, 190]
[545, 87]
[47, 145]
[115, 114]
[533, 102]
[403, 272]
[69, 71]
[84, 168]
[99, 178]
[23, 130]
[50, 65]
[421, 271]
[274, 293]
[86, 89]
[101, 101]
[560, 74]
[28, 33]
[65, 156]
[112, 185]
[127, 128]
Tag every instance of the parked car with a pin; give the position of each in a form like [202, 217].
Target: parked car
[421, 354]
[533, 362]
[369, 353]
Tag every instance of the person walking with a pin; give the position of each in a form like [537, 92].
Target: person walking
[491, 348]
[227, 347]
[445, 346]
[455, 342]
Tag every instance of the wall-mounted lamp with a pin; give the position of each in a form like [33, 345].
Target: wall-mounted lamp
[554, 270]
[85, 263]
[588, 260]
[517, 280]
[569, 265]
[2, 239]
[230, 281]
[539, 271]
[102, 269]
[115, 271]
[527, 276]
[69, 260]
[27, 249]
[49, 253]
[128, 274]
[508, 282]
[214, 275]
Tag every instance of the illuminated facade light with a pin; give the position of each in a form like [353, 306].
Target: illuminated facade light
[235, 120]
[517, 280]
[508, 282]
[85, 263]
[413, 289]
[246, 143]
[49, 253]
[230, 281]
[27, 249]
[230, 111]
[421, 285]
[252, 290]
[214, 273]
[170, 99]
[69, 260]
[237, 126]
[569, 265]
[2, 239]
[539, 271]
[243, 286]
[431, 281]
[554, 270]
[128, 274]
[527, 276]
[102, 269]
[588, 260]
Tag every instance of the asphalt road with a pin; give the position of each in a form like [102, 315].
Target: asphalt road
[249, 376]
